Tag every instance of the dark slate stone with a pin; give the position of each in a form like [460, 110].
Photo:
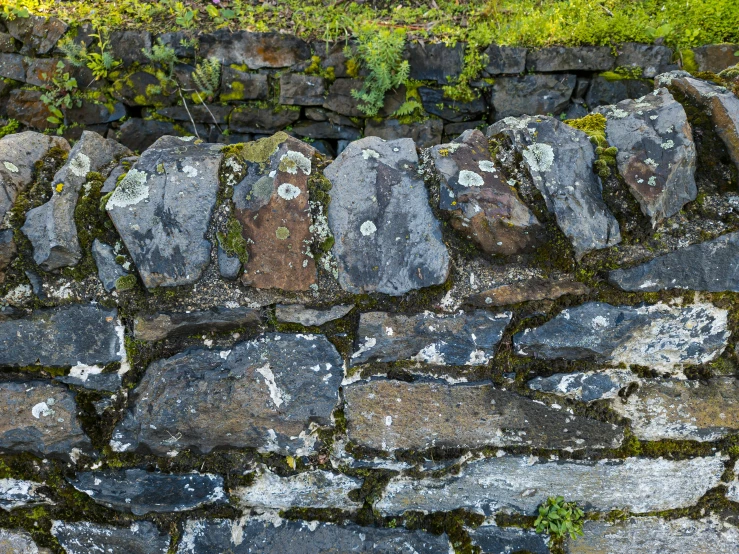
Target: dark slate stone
[532, 94]
[585, 386]
[577, 58]
[583, 83]
[716, 57]
[326, 130]
[37, 68]
[110, 382]
[505, 59]
[504, 540]
[26, 107]
[450, 110]
[138, 134]
[425, 133]
[250, 119]
[453, 130]
[652, 59]
[340, 99]
[94, 113]
[38, 34]
[263, 393]
[576, 110]
[136, 89]
[17, 493]
[128, 46]
[297, 313]
[141, 492]
[605, 91]
[219, 319]
[333, 55]
[109, 271]
[174, 40]
[228, 266]
[83, 537]
[302, 90]
[237, 85]
[256, 50]
[198, 113]
[7, 44]
[13, 66]
[435, 61]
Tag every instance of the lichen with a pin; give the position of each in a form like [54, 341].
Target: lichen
[233, 241]
[131, 190]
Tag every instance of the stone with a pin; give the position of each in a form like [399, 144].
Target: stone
[532, 94]
[483, 206]
[435, 61]
[653, 534]
[109, 271]
[128, 46]
[272, 205]
[7, 44]
[556, 156]
[153, 327]
[459, 339]
[326, 130]
[604, 91]
[91, 377]
[340, 99]
[302, 90]
[26, 107]
[527, 291]
[435, 103]
[255, 50]
[521, 484]
[716, 57]
[145, 87]
[390, 415]
[733, 492]
[41, 418]
[237, 85]
[198, 112]
[17, 493]
[312, 489]
[656, 154]
[162, 209]
[456, 129]
[425, 133]
[562, 58]
[265, 393]
[503, 60]
[262, 536]
[7, 251]
[332, 55]
[228, 266]
[504, 540]
[38, 34]
[652, 59]
[387, 239]
[139, 134]
[177, 40]
[297, 313]
[662, 337]
[51, 227]
[249, 119]
[83, 537]
[140, 492]
[708, 266]
[19, 542]
[13, 66]
[95, 112]
[586, 386]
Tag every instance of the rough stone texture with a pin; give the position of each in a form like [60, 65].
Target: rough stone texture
[127, 46]
[505, 59]
[532, 94]
[715, 57]
[272, 205]
[297, 313]
[38, 34]
[19, 542]
[733, 492]
[159, 326]
[435, 61]
[435, 103]
[558, 157]
[141, 492]
[424, 133]
[109, 271]
[658, 336]
[650, 58]
[7, 44]
[40, 418]
[143, 88]
[505, 540]
[51, 227]
[16, 493]
[604, 91]
[256, 536]
[95, 112]
[7, 251]
[162, 209]
[652, 534]
[521, 484]
[327, 130]
[26, 107]
[460, 339]
[378, 197]
[139, 134]
[240, 85]
[302, 90]
[340, 99]
[526, 291]
[578, 58]
[256, 50]
[262, 393]
[391, 415]
[484, 207]
[228, 266]
[586, 386]
[656, 155]
[251, 119]
[82, 537]
[13, 66]
[198, 112]
[91, 377]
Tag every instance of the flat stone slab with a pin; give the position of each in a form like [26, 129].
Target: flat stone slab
[563, 58]
[390, 415]
[658, 336]
[297, 313]
[585, 385]
[17, 493]
[162, 325]
[255, 50]
[83, 537]
[255, 536]
[527, 291]
[532, 94]
[263, 393]
[19, 542]
[387, 239]
[504, 540]
[459, 339]
[109, 271]
[521, 484]
[141, 492]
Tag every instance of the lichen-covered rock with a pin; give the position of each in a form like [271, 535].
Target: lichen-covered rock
[532, 94]
[264, 393]
[16, 493]
[180, 324]
[387, 239]
[656, 155]
[141, 492]
[505, 540]
[19, 542]
[390, 415]
[459, 339]
[109, 271]
[560, 160]
[586, 386]
[527, 291]
[92, 377]
[37, 33]
[483, 205]
[659, 336]
[83, 537]
[296, 313]
[162, 209]
[577, 58]
[255, 50]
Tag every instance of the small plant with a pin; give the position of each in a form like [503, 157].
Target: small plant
[163, 55]
[559, 519]
[207, 77]
[100, 63]
[9, 128]
[61, 93]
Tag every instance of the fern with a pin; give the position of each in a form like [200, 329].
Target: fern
[407, 108]
[75, 52]
[207, 76]
[162, 54]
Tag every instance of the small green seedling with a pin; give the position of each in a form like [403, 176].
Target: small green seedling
[558, 519]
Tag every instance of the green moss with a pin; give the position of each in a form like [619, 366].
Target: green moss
[9, 128]
[236, 91]
[125, 282]
[261, 150]
[621, 73]
[594, 125]
[233, 241]
[688, 60]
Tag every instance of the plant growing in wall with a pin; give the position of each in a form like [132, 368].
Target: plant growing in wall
[61, 93]
[558, 519]
[207, 77]
[100, 62]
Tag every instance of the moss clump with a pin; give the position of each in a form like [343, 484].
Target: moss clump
[9, 128]
[621, 73]
[233, 241]
[236, 91]
[125, 282]
[594, 125]
[260, 151]
[688, 60]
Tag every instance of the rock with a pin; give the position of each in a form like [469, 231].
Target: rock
[159, 326]
[456, 129]
[521, 484]
[733, 492]
[312, 489]
[7, 44]
[532, 94]
[656, 155]
[228, 266]
[715, 57]
[38, 34]
[249, 119]
[139, 134]
[659, 336]
[708, 266]
[297, 313]
[340, 99]
[145, 87]
[578, 58]
[26, 107]
[141, 492]
[13, 66]
[435, 61]
[527, 291]
[162, 209]
[434, 102]
[83, 537]
[255, 50]
[390, 415]
[16, 493]
[51, 227]
[239, 85]
[199, 113]
[505, 59]
[302, 90]
[326, 130]
[484, 207]
[95, 112]
[586, 386]
[7, 250]
[259, 536]
[263, 393]
[91, 377]
[40, 418]
[19, 542]
[503, 540]
[60, 337]
[652, 534]
[651, 59]
[459, 339]
[424, 133]
[556, 156]
[605, 91]
[576, 110]
[177, 40]
[378, 197]
[128, 46]
[109, 271]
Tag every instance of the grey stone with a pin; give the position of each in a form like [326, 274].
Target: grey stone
[656, 155]
[128, 46]
[38, 34]
[455, 129]
[175, 40]
[460, 339]
[250, 119]
[18, 542]
[652, 59]
[7, 44]
[586, 386]
[733, 492]
[144, 87]
[434, 102]
[716, 57]
[302, 90]
[95, 112]
[604, 91]
[51, 227]
[83, 537]
[505, 540]
[119, 170]
[159, 326]
[198, 112]
[109, 271]
[576, 110]
[263, 393]
[13, 66]
[228, 266]
[577, 58]
[390, 415]
[424, 133]
[92, 378]
[237, 85]
[326, 130]
[505, 59]
[141, 492]
[255, 50]
[138, 134]
[162, 209]
[17, 493]
[659, 336]
[297, 313]
[556, 156]
[435, 61]
[378, 197]
[340, 99]
[521, 484]
[532, 94]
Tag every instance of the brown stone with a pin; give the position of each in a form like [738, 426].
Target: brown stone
[162, 325]
[340, 99]
[716, 57]
[526, 291]
[26, 106]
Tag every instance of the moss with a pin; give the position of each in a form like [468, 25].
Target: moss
[236, 92]
[621, 73]
[687, 56]
[594, 125]
[233, 241]
[125, 282]
[260, 151]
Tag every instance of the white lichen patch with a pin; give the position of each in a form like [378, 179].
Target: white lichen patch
[368, 153]
[618, 113]
[367, 228]
[131, 190]
[539, 157]
[80, 165]
[470, 179]
[190, 171]
[487, 166]
[277, 395]
[369, 344]
[667, 144]
[652, 182]
[291, 161]
[83, 371]
[287, 191]
[11, 167]
[431, 354]
[41, 409]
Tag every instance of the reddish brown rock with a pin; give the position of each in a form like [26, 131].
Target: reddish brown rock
[26, 106]
[526, 291]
